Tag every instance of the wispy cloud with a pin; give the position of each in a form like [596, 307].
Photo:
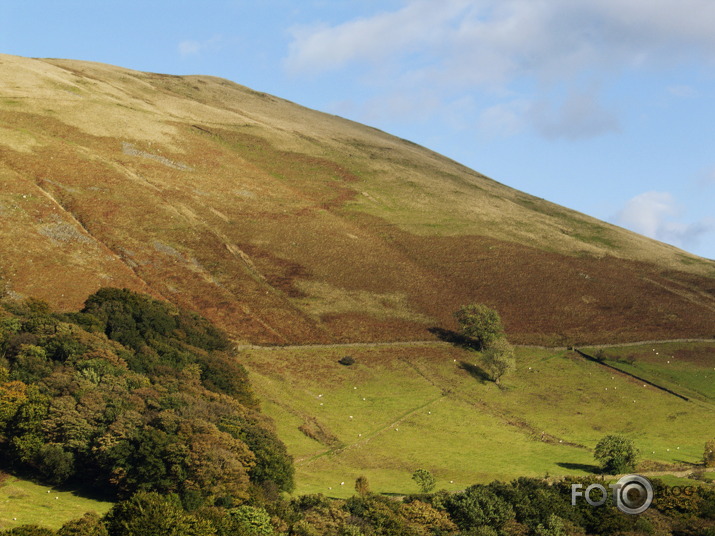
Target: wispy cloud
[658, 215]
[504, 119]
[683, 91]
[484, 39]
[498, 47]
[579, 116]
[190, 47]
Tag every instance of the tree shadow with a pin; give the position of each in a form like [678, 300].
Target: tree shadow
[475, 372]
[586, 467]
[453, 337]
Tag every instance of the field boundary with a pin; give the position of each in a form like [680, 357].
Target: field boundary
[592, 358]
[445, 343]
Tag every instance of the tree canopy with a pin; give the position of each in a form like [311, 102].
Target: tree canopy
[132, 394]
[480, 323]
[616, 454]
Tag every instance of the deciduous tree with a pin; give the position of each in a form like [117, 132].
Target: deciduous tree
[362, 486]
[499, 359]
[424, 480]
[479, 322]
[616, 454]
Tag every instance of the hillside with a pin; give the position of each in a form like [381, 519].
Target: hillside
[404, 406]
[286, 225]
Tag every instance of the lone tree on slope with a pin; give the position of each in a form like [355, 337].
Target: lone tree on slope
[424, 480]
[479, 322]
[362, 486]
[616, 454]
[499, 359]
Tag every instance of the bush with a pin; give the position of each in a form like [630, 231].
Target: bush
[616, 454]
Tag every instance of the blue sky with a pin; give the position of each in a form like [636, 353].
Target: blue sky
[603, 106]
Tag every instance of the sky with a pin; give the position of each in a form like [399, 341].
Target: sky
[603, 106]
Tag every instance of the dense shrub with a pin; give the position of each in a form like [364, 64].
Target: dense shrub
[478, 505]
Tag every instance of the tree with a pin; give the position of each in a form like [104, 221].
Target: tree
[480, 323]
[253, 520]
[554, 526]
[12, 396]
[362, 486]
[477, 506]
[88, 525]
[616, 454]
[709, 454]
[150, 514]
[499, 359]
[424, 518]
[424, 480]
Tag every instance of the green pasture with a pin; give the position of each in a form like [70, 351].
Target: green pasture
[24, 502]
[430, 407]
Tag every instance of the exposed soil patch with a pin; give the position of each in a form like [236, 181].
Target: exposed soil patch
[315, 430]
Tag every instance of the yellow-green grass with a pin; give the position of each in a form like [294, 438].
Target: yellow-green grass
[422, 408]
[24, 502]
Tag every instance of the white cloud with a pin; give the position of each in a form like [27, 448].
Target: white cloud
[374, 39]
[521, 49]
[658, 215]
[191, 47]
[579, 116]
[485, 39]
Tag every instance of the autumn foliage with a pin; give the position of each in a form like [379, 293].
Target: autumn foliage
[132, 394]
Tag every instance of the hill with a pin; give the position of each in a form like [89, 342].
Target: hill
[286, 225]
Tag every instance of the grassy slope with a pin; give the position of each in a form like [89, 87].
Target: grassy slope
[287, 225]
[424, 409]
[31, 503]
[688, 369]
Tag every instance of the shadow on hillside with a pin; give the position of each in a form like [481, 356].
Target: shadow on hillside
[689, 464]
[79, 488]
[453, 337]
[475, 372]
[586, 467]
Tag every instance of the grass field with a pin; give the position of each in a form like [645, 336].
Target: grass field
[686, 368]
[399, 408]
[24, 502]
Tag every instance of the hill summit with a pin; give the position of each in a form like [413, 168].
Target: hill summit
[287, 225]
